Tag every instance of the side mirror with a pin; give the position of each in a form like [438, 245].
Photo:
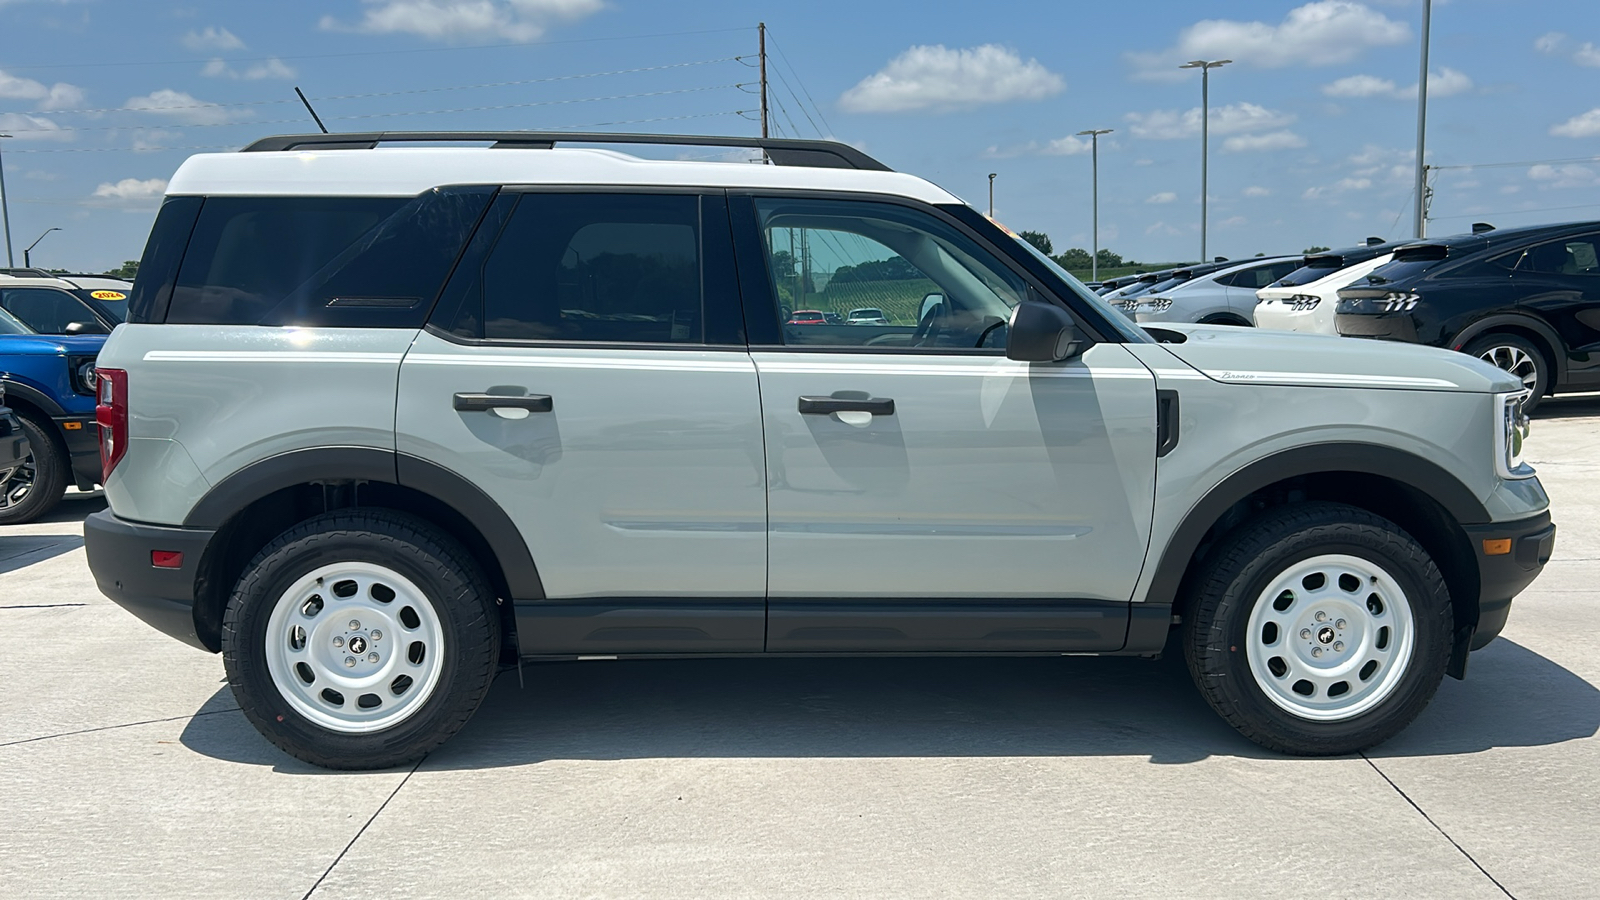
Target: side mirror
[1041, 332]
[929, 301]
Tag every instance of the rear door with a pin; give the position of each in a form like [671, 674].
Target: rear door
[926, 493]
[586, 369]
[1560, 281]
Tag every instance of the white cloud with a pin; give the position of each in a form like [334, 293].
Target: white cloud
[23, 127]
[454, 20]
[1579, 126]
[1445, 82]
[212, 38]
[1163, 197]
[1567, 176]
[1257, 191]
[1550, 42]
[57, 96]
[1272, 140]
[178, 105]
[1232, 221]
[1235, 118]
[1320, 33]
[272, 68]
[1162, 228]
[1587, 55]
[940, 79]
[1063, 146]
[1339, 187]
[131, 191]
[149, 139]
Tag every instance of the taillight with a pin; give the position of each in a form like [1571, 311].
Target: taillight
[111, 413]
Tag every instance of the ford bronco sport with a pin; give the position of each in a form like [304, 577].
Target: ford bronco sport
[386, 419]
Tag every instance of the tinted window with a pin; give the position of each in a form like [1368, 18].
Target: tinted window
[351, 261]
[935, 286]
[158, 268]
[115, 310]
[591, 267]
[1568, 256]
[10, 324]
[49, 311]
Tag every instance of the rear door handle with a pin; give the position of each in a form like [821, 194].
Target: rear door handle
[486, 402]
[822, 406]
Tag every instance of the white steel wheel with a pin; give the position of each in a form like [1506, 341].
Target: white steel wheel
[1330, 637]
[354, 647]
[1515, 360]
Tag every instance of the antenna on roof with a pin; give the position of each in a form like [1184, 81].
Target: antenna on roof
[314, 117]
[1481, 227]
[1374, 241]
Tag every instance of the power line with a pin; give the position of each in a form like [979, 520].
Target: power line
[799, 81]
[531, 44]
[1524, 165]
[798, 105]
[1517, 212]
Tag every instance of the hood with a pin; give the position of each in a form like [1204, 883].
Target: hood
[1252, 356]
[51, 344]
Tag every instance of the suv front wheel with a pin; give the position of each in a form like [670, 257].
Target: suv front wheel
[1319, 629]
[361, 639]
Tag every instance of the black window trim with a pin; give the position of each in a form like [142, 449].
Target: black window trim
[434, 327]
[755, 277]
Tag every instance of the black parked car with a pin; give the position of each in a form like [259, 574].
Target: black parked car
[1525, 299]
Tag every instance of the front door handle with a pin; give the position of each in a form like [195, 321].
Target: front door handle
[822, 406]
[486, 402]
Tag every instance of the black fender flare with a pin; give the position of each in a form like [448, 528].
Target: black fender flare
[34, 397]
[1534, 324]
[354, 464]
[1370, 459]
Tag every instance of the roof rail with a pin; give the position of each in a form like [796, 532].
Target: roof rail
[780, 151]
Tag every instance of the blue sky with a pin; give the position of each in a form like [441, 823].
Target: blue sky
[1312, 127]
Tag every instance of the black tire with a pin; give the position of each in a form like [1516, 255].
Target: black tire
[1499, 347]
[1246, 564]
[437, 565]
[47, 463]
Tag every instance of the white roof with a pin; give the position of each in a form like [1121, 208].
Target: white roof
[94, 282]
[408, 171]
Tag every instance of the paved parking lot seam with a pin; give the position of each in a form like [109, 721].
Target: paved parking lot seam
[374, 818]
[1424, 814]
[47, 737]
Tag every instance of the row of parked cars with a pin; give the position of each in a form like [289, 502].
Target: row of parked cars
[1524, 299]
[52, 327]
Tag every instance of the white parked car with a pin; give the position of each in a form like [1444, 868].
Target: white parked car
[1223, 296]
[869, 315]
[1304, 300]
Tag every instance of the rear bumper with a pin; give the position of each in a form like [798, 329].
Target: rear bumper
[120, 559]
[1504, 575]
[1386, 326]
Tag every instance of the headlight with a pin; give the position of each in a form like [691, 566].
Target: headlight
[1512, 433]
[83, 379]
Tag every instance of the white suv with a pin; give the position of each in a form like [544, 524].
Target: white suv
[385, 420]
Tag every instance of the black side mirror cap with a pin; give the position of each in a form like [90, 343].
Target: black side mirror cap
[1042, 332]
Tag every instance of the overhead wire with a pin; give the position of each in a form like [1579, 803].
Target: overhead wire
[798, 80]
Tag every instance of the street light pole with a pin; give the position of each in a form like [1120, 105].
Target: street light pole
[1094, 154]
[991, 194]
[1205, 68]
[27, 255]
[1422, 125]
[5, 207]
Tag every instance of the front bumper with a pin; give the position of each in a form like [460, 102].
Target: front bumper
[120, 559]
[82, 437]
[1501, 576]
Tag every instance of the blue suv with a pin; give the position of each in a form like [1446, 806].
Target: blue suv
[51, 330]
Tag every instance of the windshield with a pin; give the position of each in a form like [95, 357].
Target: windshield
[1116, 319]
[112, 304]
[10, 324]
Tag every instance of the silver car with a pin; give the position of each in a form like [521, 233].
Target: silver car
[1223, 297]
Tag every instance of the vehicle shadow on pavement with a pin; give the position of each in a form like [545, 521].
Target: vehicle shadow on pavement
[18, 551]
[950, 707]
[1568, 407]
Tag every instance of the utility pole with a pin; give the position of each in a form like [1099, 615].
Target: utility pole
[1094, 145]
[991, 193]
[1422, 125]
[1205, 136]
[761, 28]
[5, 207]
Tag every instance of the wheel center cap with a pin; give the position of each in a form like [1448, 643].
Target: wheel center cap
[358, 644]
[1324, 635]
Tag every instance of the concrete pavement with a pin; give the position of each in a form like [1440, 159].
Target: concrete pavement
[127, 771]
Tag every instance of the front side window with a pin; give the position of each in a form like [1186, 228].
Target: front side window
[881, 276]
[600, 267]
[49, 311]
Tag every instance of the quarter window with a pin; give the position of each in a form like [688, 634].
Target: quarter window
[930, 285]
[591, 267]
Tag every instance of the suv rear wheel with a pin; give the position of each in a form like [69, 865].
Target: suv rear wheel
[1520, 357]
[361, 639]
[1319, 629]
[35, 487]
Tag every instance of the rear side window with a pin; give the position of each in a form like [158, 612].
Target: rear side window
[1261, 276]
[323, 261]
[606, 268]
[1568, 256]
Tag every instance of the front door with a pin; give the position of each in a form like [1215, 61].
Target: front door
[586, 370]
[926, 493]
